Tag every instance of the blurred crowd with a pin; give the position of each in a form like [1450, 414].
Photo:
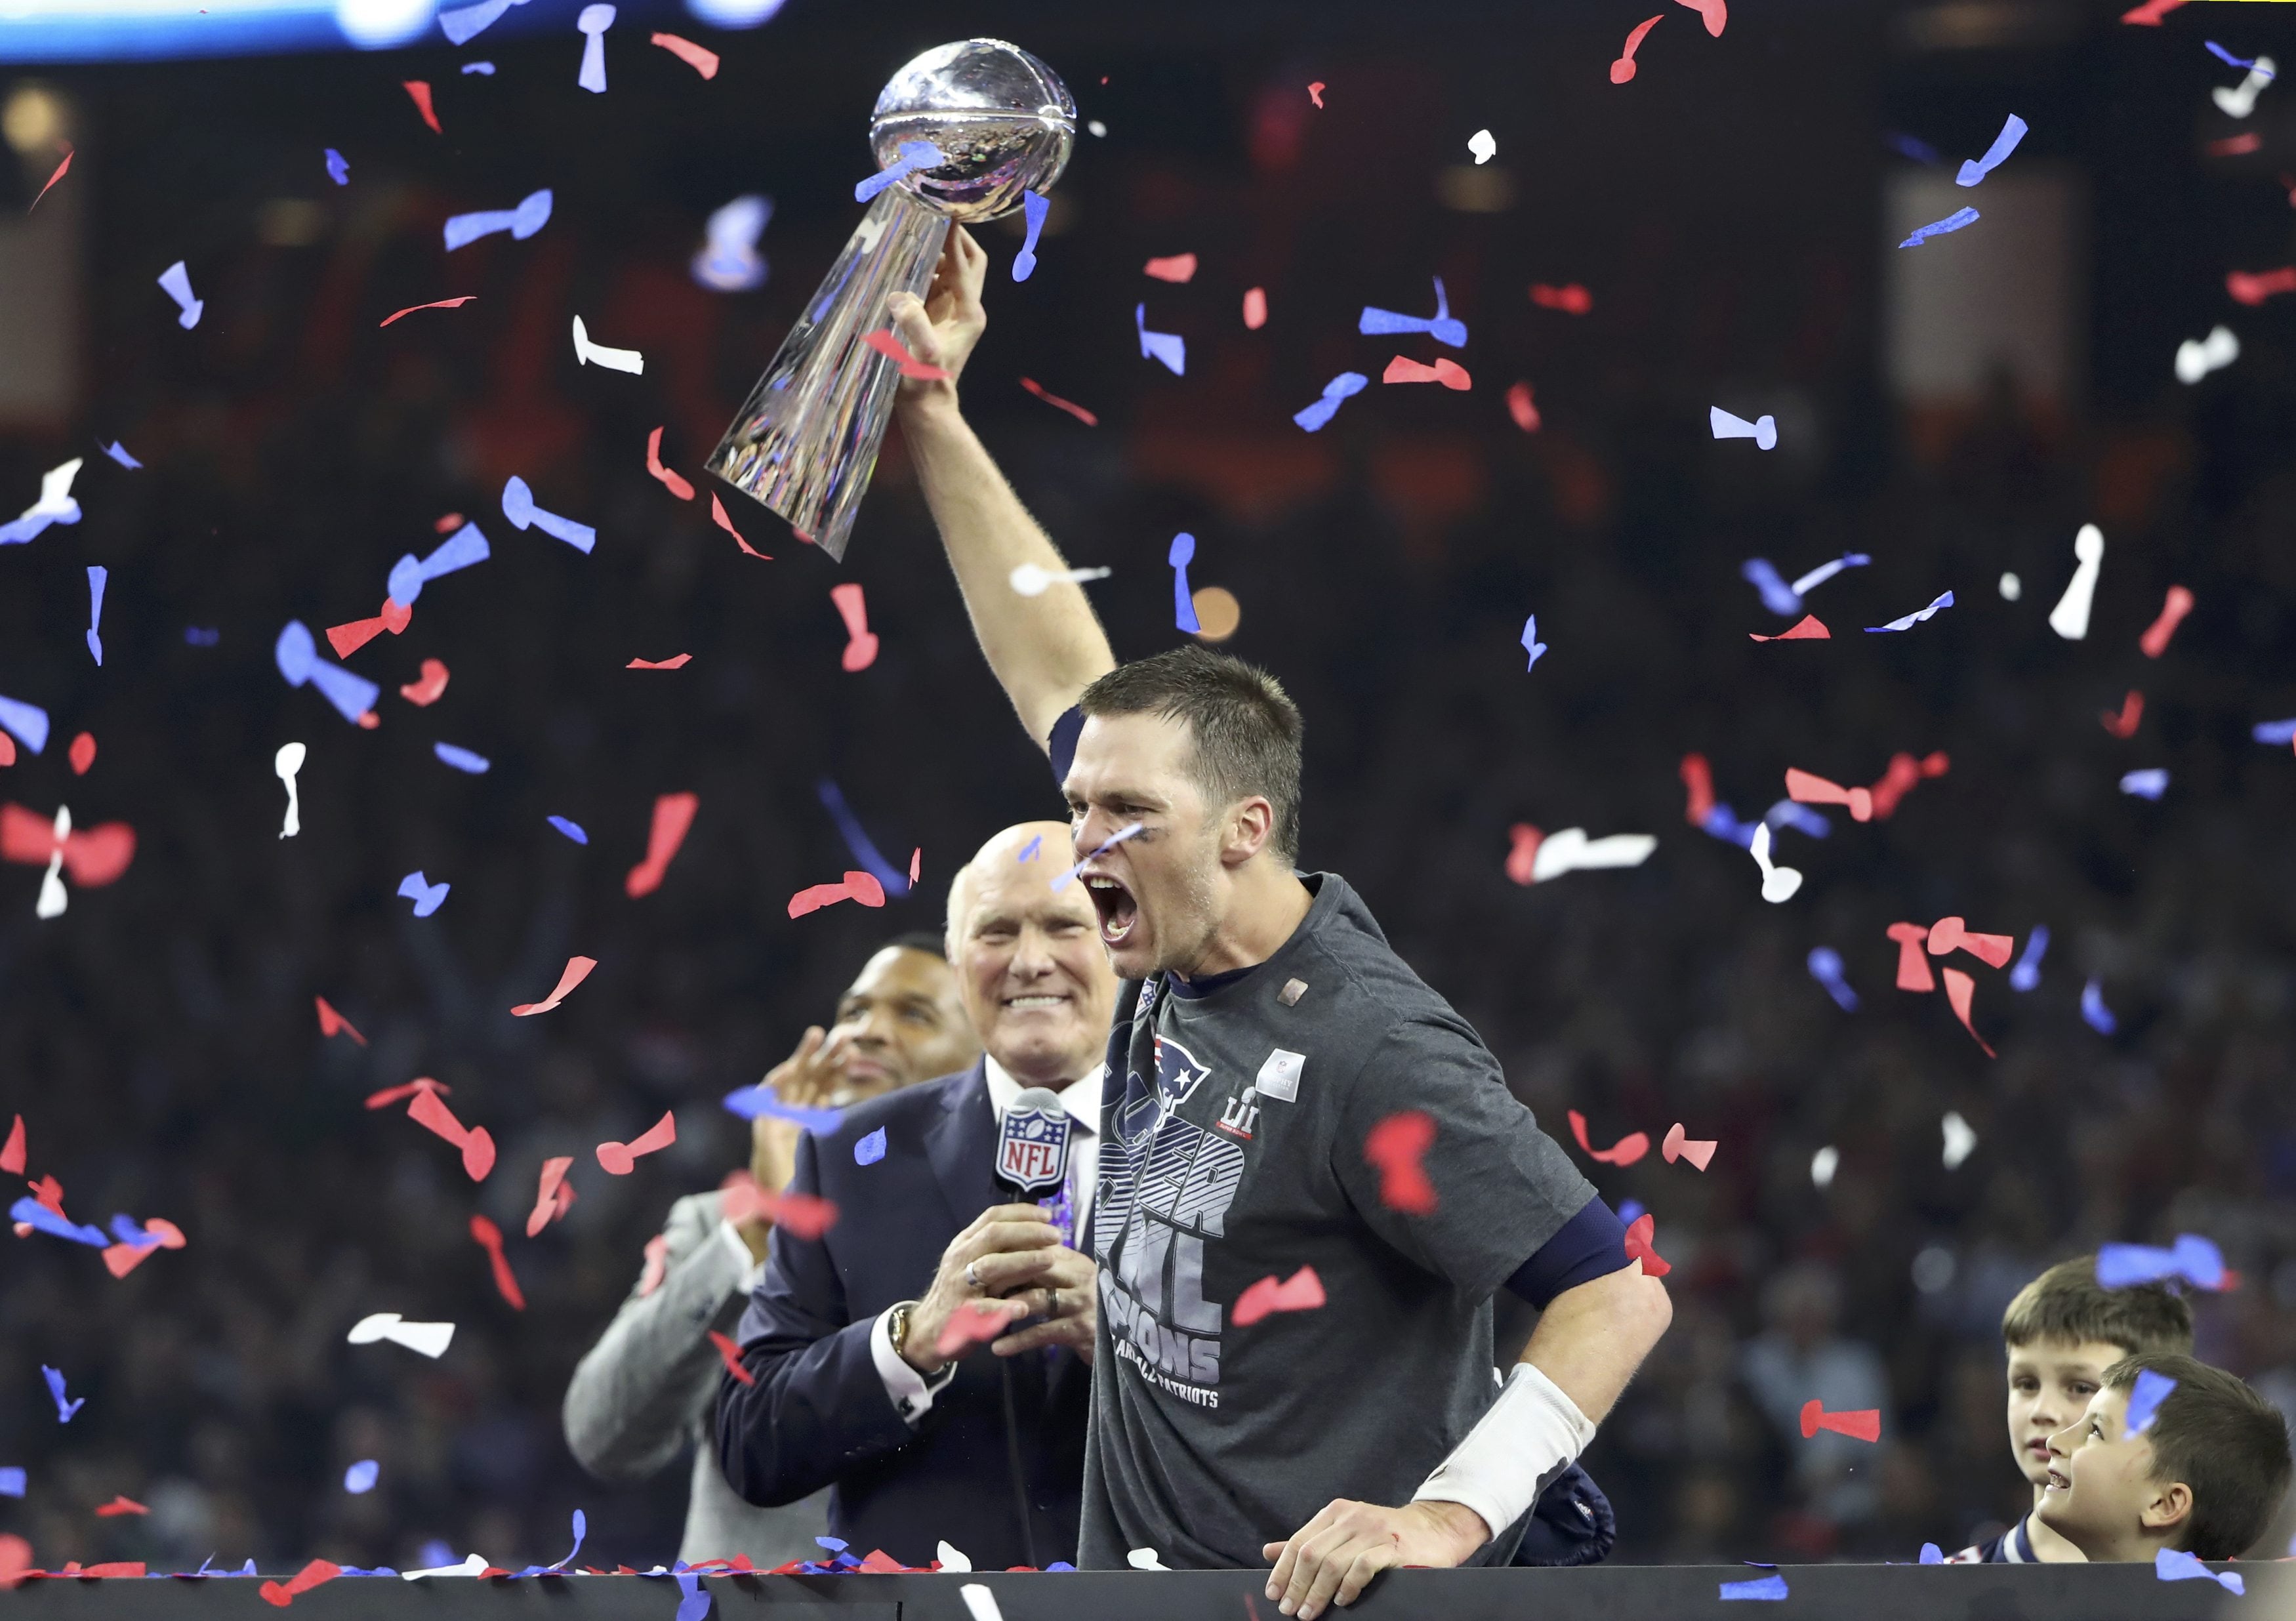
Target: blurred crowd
[160, 1037]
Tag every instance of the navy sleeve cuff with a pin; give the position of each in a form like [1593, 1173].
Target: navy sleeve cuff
[1062, 744]
[1591, 1245]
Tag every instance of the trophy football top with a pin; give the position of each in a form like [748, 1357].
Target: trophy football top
[1002, 120]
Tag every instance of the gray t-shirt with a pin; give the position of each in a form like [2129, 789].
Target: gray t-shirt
[1231, 1149]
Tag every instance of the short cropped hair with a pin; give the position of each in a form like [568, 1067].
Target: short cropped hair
[1244, 729]
[2223, 1440]
[919, 940]
[2068, 1303]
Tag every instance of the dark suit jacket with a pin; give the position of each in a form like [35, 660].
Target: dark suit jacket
[819, 1415]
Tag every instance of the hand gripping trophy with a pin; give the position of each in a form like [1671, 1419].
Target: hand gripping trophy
[969, 128]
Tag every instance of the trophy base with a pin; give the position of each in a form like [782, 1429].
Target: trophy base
[806, 439]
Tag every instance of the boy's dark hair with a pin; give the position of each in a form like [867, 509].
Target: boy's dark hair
[2223, 1440]
[919, 940]
[2068, 1303]
[1245, 731]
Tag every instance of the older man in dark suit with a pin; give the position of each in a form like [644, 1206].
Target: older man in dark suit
[931, 1451]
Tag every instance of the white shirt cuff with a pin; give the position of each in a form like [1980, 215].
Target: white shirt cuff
[725, 1231]
[912, 1396]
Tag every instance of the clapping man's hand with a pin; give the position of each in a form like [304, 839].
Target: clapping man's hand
[807, 1078]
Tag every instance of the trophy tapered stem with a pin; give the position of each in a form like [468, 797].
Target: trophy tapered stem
[805, 440]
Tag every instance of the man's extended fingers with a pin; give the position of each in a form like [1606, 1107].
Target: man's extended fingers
[1003, 1271]
[1366, 1565]
[1307, 1571]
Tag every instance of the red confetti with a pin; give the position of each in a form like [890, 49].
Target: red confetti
[120, 1259]
[1623, 70]
[1716, 13]
[696, 57]
[1698, 778]
[1522, 859]
[882, 1563]
[1810, 629]
[975, 1323]
[1625, 1151]
[1051, 398]
[2234, 146]
[2255, 288]
[1302, 1291]
[1316, 94]
[1912, 968]
[1520, 408]
[1641, 1233]
[673, 814]
[620, 1159]
[7, 749]
[15, 1560]
[347, 639]
[2132, 714]
[1680, 1145]
[118, 1506]
[717, 515]
[82, 754]
[437, 304]
[478, 1146]
[1179, 268]
[94, 858]
[916, 860]
[890, 348]
[112, 1568]
[861, 651]
[1865, 1424]
[1804, 788]
[1255, 308]
[1904, 772]
[670, 479]
[2149, 14]
[554, 1198]
[392, 1094]
[2154, 642]
[1394, 1146]
[430, 689]
[283, 1593]
[678, 663]
[448, 523]
[1572, 300]
[12, 1157]
[59, 175]
[1959, 990]
[420, 91]
[730, 1355]
[490, 1238]
[858, 887]
[802, 1215]
[578, 970]
[1450, 374]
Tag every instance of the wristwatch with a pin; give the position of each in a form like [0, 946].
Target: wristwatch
[897, 1329]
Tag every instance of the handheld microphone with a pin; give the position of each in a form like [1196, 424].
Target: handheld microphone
[1032, 1144]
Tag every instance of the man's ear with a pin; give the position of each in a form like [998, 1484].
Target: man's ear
[1250, 824]
[2168, 1509]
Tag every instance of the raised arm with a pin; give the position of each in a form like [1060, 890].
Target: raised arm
[1045, 650]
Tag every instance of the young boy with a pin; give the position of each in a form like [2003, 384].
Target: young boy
[2203, 1472]
[2062, 1331]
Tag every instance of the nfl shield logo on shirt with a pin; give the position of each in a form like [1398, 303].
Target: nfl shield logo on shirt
[1032, 1148]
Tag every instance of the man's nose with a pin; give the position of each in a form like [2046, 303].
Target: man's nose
[1094, 831]
[1032, 957]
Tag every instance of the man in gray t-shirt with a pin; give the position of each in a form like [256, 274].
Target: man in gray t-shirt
[1291, 1094]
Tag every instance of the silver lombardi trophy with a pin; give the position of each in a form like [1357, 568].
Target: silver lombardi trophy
[1000, 125]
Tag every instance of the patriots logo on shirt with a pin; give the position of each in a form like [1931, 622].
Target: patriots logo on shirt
[1178, 1074]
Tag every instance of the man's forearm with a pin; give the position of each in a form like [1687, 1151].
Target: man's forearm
[1590, 1339]
[1043, 649]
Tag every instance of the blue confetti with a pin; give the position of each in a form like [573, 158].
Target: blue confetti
[1024, 263]
[11, 1482]
[64, 1409]
[532, 213]
[914, 155]
[2230, 61]
[1777, 596]
[1031, 850]
[2099, 1017]
[1169, 348]
[360, 1477]
[2193, 1258]
[427, 896]
[2280, 733]
[1932, 1554]
[870, 1149]
[199, 637]
[1182, 552]
[1723, 824]
[462, 759]
[2144, 1400]
[1908, 146]
[1771, 1587]
[571, 829]
[32, 1213]
[1440, 326]
[297, 657]
[1346, 385]
[1957, 220]
[1913, 618]
[485, 68]
[97, 575]
[1974, 169]
[1825, 968]
[2027, 974]
[1630, 1211]
[465, 547]
[2148, 784]
[338, 169]
[28, 723]
[751, 1102]
[1803, 820]
[856, 839]
[695, 1604]
[2175, 1564]
[1531, 644]
[118, 452]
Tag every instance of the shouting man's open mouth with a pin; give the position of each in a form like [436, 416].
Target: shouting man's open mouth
[1117, 908]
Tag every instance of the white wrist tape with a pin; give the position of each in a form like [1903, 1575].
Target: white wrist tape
[1531, 1433]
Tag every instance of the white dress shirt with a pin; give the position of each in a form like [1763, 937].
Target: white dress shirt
[911, 1394]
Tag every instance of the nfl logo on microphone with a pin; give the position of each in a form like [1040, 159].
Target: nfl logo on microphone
[1033, 1152]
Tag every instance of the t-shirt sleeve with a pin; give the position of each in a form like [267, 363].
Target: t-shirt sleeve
[1062, 744]
[1501, 1187]
[1592, 1244]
